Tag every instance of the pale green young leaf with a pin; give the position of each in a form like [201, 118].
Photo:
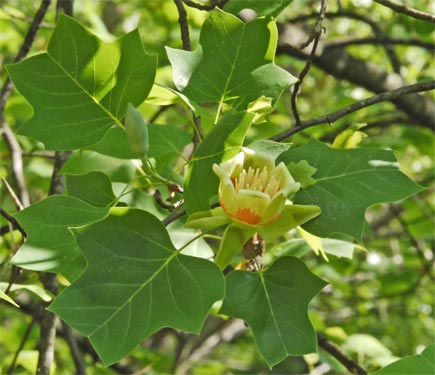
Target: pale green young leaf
[233, 64]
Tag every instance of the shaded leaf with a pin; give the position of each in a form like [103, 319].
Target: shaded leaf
[234, 62]
[347, 182]
[274, 304]
[135, 283]
[50, 247]
[94, 188]
[81, 86]
[224, 140]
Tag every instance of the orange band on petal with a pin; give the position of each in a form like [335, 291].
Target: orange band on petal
[247, 216]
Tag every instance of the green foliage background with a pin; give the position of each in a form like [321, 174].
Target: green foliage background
[379, 302]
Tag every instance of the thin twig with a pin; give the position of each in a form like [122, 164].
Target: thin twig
[317, 32]
[174, 216]
[21, 346]
[334, 116]
[184, 26]
[13, 221]
[338, 354]
[403, 9]
[16, 200]
[76, 355]
[17, 162]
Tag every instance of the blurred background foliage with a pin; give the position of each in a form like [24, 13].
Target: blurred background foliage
[378, 306]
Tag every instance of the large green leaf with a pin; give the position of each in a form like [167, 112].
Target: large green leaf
[225, 139]
[81, 86]
[234, 62]
[347, 182]
[50, 247]
[135, 283]
[420, 364]
[274, 304]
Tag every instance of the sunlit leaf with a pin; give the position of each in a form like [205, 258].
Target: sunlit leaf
[50, 246]
[234, 62]
[81, 86]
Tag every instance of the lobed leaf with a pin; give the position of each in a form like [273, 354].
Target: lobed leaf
[234, 62]
[81, 86]
[274, 304]
[135, 283]
[347, 183]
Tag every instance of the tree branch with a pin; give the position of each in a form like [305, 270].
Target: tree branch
[218, 3]
[418, 14]
[337, 353]
[382, 41]
[334, 116]
[359, 17]
[342, 65]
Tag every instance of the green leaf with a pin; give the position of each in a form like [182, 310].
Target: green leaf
[166, 144]
[271, 148]
[135, 283]
[81, 86]
[323, 246]
[261, 7]
[420, 364]
[274, 303]
[347, 182]
[224, 140]
[5, 297]
[31, 288]
[302, 172]
[94, 188]
[50, 247]
[234, 62]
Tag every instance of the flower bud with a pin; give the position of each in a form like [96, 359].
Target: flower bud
[137, 132]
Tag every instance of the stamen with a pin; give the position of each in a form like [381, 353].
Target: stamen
[256, 179]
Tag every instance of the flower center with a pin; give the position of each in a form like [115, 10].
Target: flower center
[256, 179]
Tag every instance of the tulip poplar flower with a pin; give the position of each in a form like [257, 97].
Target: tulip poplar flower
[252, 190]
[253, 195]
